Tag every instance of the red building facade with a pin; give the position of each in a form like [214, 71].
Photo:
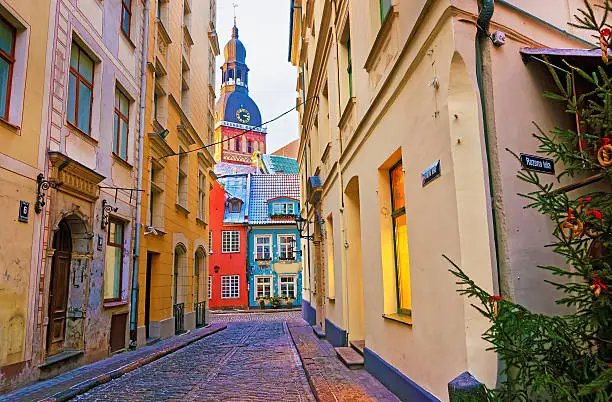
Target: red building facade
[227, 282]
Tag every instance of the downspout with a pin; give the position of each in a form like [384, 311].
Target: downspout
[137, 224]
[482, 37]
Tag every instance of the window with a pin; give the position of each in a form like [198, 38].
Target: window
[234, 206]
[230, 241]
[331, 288]
[230, 287]
[7, 61]
[113, 264]
[385, 6]
[349, 67]
[202, 197]
[285, 247]
[80, 89]
[400, 235]
[249, 146]
[237, 145]
[209, 287]
[156, 207]
[121, 127]
[181, 281]
[263, 247]
[210, 239]
[126, 16]
[263, 287]
[288, 286]
[283, 208]
[182, 182]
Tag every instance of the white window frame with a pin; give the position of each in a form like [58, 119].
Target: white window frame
[294, 281]
[210, 287]
[210, 242]
[229, 287]
[282, 208]
[281, 244]
[255, 246]
[230, 241]
[270, 285]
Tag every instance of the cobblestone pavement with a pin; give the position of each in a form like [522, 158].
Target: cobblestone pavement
[254, 359]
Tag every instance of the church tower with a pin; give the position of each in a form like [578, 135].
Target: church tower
[236, 111]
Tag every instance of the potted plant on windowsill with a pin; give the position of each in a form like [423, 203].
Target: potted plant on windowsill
[262, 303]
[275, 301]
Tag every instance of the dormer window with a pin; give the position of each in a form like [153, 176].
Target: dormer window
[283, 208]
[234, 206]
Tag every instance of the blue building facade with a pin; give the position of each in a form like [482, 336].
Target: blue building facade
[273, 266]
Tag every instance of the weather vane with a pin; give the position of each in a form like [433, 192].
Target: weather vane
[235, 5]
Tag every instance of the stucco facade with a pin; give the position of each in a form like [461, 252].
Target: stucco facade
[177, 172]
[22, 158]
[403, 85]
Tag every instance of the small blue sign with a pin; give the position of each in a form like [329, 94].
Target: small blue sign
[431, 173]
[24, 211]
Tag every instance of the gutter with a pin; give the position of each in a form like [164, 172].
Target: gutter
[138, 223]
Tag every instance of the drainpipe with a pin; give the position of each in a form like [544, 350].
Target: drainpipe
[137, 224]
[482, 37]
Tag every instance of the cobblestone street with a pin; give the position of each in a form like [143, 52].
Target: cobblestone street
[252, 360]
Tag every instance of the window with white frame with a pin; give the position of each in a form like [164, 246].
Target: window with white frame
[285, 247]
[209, 287]
[202, 196]
[263, 287]
[263, 247]
[230, 241]
[230, 287]
[287, 286]
[210, 239]
[283, 208]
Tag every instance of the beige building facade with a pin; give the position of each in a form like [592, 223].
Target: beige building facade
[406, 111]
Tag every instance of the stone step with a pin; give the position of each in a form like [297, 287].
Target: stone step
[318, 331]
[358, 345]
[350, 357]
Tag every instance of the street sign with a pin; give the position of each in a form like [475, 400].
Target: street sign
[431, 173]
[538, 164]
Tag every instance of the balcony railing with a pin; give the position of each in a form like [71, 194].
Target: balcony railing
[179, 318]
[200, 309]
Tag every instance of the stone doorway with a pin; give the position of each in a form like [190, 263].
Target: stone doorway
[58, 291]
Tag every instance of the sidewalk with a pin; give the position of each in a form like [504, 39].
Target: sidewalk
[329, 379]
[256, 311]
[72, 383]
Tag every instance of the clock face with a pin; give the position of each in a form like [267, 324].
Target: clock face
[243, 115]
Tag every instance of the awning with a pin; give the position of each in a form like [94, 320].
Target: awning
[583, 58]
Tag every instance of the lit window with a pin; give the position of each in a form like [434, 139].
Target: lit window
[263, 247]
[263, 287]
[285, 247]
[400, 235]
[230, 287]
[80, 89]
[126, 16]
[113, 264]
[121, 124]
[288, 286]
[230, 241]
[7, 60]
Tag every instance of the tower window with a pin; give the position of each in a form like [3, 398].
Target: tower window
[237, 145]
[249, 146]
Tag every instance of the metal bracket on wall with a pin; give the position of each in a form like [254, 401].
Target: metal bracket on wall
[42, 186]
[106, 210]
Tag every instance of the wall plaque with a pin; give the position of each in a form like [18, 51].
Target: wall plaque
[24, 211]
[431, 173]
[538, 164]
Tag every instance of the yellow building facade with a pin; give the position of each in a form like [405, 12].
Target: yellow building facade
[177, 168]
[406, 111]
[23, 52]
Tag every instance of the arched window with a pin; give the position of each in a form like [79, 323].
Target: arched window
[180, 274]
[249, 146]
[237, 145]
[198, 275]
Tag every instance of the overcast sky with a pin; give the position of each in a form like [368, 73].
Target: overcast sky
[264, 30]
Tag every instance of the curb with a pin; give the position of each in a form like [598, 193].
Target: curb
[87, 385]
[266, 311]
[313, 388]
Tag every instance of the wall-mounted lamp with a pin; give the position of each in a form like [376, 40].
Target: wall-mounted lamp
[106, 210]
[217, 268]
[300, 223]
[163, 134]
[42, 186]
[294, 250]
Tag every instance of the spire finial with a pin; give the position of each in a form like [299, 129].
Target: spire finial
[235, 5]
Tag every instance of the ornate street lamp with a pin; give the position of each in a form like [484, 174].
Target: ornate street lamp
[300, 223]
[294, 250]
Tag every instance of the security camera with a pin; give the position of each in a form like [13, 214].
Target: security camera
[150, 230]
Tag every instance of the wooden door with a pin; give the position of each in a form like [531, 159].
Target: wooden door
[58, 292]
